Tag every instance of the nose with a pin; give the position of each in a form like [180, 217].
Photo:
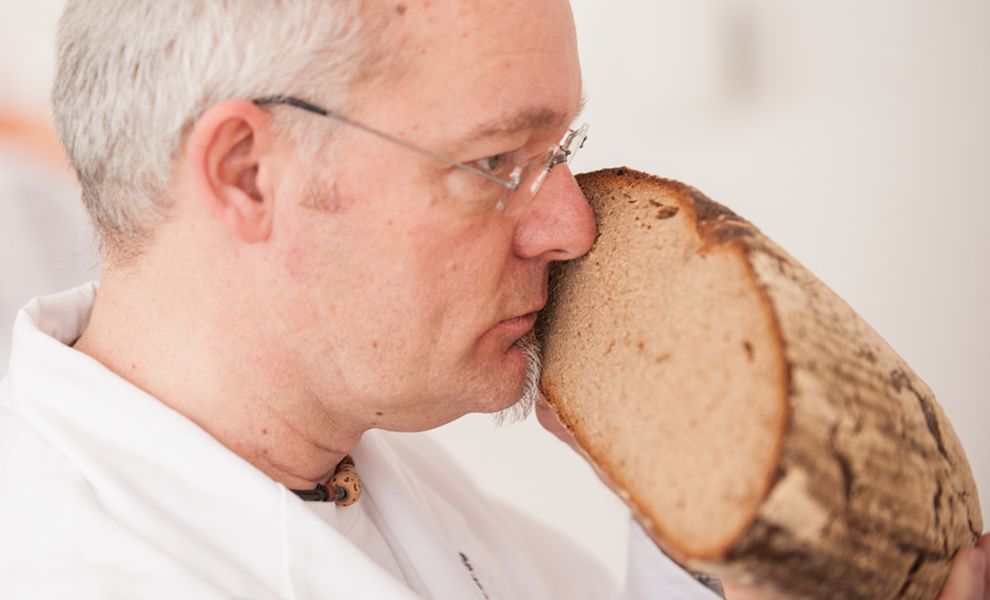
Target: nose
[558, 223]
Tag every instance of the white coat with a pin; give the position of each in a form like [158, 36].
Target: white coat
[105, 492]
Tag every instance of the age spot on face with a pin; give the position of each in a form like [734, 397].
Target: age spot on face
[400, 9]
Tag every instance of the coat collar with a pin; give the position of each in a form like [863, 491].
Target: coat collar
[169, 482]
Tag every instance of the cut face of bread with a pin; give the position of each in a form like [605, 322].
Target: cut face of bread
[678, 340]
[758, 428]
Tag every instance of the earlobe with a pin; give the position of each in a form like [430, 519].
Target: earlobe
[229, 147]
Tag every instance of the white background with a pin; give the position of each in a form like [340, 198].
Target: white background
[855, 134]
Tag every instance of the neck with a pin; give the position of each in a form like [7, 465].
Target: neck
[172, 343]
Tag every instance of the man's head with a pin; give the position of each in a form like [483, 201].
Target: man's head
[349, 272]
[134, 75]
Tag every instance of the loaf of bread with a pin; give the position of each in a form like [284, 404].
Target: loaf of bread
[759, 429]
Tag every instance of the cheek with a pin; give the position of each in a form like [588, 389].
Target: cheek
[431, 298]
[381, 292]
[293, 262]
[376, 302]
[452, 263]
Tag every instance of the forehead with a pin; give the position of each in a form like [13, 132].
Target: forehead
[474, 68]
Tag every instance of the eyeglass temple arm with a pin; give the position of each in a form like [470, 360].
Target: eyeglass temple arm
[289, 100]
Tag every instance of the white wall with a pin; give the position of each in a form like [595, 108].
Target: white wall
[855, 134]
[27, 52]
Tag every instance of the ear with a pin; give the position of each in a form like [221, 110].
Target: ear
[229, 153]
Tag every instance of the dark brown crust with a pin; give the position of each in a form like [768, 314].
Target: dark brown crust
[716, 226]
[714, 223]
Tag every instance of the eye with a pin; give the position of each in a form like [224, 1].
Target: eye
[492, 164]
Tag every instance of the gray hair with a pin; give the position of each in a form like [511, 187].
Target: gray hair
[133, 75]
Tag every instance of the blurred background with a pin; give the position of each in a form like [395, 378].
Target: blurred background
[855, 134]
[45, 239]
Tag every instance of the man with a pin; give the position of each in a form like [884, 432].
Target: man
[323, 222]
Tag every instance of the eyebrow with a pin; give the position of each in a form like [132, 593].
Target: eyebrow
[530, 118]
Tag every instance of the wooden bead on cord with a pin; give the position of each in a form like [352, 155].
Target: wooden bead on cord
[343, 489]
[345, 483]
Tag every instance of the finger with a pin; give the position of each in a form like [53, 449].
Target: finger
[733, 592]
[966, 576]
[985, 546]
[549, 420]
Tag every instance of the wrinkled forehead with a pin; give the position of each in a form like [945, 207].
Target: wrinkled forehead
[476, 66]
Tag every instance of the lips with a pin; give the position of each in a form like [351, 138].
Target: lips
[519, 325]
[523, 322]
[526, 318]
[529, 314]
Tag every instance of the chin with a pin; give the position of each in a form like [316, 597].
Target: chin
[507, 389]
[524, 398]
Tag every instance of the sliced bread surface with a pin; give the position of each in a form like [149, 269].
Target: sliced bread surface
[759, 429]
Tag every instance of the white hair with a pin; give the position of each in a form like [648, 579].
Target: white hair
[133, 75]
[531, 388]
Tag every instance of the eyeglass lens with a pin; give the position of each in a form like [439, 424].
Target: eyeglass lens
[535, 173]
